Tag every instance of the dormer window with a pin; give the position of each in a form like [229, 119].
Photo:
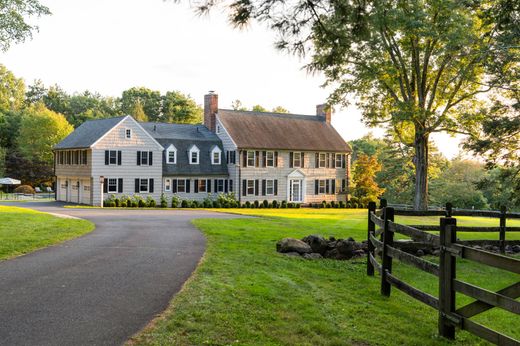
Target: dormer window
[194, 155]
[171, 154]
[216, 156]
[128, 133]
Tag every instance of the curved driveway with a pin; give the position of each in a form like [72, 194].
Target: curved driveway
[103, 287]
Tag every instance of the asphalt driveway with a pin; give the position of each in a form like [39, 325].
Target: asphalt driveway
[103, 287]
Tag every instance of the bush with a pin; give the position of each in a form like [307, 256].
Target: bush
[327, 205]
[164, 201]
[185, 203]
[323, 204]
[216, 204]
[27, 189]
[195, 204]
[123, 204]
[333, 204]
[298, 205]
[248, 204]
[290, 205]
[228, 198]
[270, 205]
[207, 203]
[135, 204]
[117, 202]
[257, 204]
[141, 203]
[341, 204]
[275, 204]
[265, 203]
[284, 204]
[176, 201]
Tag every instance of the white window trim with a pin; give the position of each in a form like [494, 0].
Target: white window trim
[108, 185]
[340, 161]
[266, 159]
[294, 159]
[254, 187]
[216, 150]
[141, 184]
[324, 160]
[184, 186]
[218, 185]
[272, 187]
[110, 157]
[128, 133]
[170, 149]
[254, 158]
[205, 182]
[324, 187]
[166, 183]
[194, 149]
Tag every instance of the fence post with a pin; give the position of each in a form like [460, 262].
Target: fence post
[503, 211]
[383, 203]
[388, 240]
[371, 231]
[447, 271]
[449, 209]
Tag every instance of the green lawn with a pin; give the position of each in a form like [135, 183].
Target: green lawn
[244, 293]
[23, 230]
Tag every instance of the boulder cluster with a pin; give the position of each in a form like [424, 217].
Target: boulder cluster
[316, 247]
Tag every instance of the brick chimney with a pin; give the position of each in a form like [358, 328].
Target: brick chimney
[324, 111]
[210, 110]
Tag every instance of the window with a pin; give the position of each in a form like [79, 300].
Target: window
[128, 133]
[171, 154]
[143, 185]
[219, 187]
[269, 161]
[181, 185]
[297, 159]
[269, 187]
[112, 185]
[250, 159]
[215, 159]
[194, 155]
[167, 185]
[231, 156]
[83, 157]
[112, 157]
[322, 186]
[144, 158]
[202, 185]
[339, 161]
[218, 128]
[250, 187]
[323, 160]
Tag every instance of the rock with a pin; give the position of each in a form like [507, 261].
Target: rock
[317, 243]
[293, 245]
[515, 248]
[350, 239]
[477, 247]
[292, 254]
[436, 252]
[345, 248]
[331, 238]
[359, 253]
[496, 248]
[420, 253]
[312, 255]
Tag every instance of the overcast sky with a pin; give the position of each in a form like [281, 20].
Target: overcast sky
[109, 46]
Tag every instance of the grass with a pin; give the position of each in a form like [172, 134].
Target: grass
[244, 293]
[23, 230]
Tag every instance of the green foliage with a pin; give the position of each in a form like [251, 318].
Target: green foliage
[164, 201]
[258, 108]
[180, 108]
[150, 101]
[12, 89]
[137, 112]
[280, 109]
[364, 172]
[176, 201]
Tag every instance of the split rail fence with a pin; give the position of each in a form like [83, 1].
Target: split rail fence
[381, 223]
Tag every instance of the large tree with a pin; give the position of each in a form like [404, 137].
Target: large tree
[12, 91]
[180, 108]
[364, 173]
[150, 100]
[415, 66]
[15, 23]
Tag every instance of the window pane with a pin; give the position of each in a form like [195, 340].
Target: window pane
[171, 156]
[112, 185]
[167, 185]
[296, 159]
[270, 159]
[181, 185]
[194, 157]
[216, 158]
[250, 158]
[338, 160]
[269, 187]
[250, 187]
[144, 185]
[322, 159]
[144, 158]
[202, 185]
[113, 157]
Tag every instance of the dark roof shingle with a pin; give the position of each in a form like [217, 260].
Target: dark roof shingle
[88, 133]
[259, 130]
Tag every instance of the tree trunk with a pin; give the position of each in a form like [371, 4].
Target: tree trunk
[421, 170]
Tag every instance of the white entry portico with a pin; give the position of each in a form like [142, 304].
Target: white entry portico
[296, 186]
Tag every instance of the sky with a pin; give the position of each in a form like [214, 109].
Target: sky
[109, 46]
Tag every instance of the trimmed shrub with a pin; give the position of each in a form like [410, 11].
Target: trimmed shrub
[185, 203]
[216, 204]
[248, 204]
[207, 203]
[135, 204]
[327, 205]
[284, 205]
[275, 204]
[341, 204]
[333, 204]
[150, 202]
[265, 203]
[141, 203]
[195, 204]
[323, 204]
[176, 201]
[123, 204]
[256, 203]
[164, 201]
[27, 189]
[270, 205]
[117, 202]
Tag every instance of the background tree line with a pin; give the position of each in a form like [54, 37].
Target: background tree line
[34, 118]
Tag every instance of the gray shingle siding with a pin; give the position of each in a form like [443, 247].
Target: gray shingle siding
[88, 133]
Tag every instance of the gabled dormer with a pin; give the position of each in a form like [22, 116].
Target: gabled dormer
[171, 155]
[216, 155]
[194, 155]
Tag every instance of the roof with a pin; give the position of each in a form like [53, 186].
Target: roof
[262, 130]
[88, 133]
[183, 137]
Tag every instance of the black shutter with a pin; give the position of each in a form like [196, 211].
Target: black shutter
[227, 156]
[275, 187]
[174, 185]
[120, 185]
[215, 185]
[263, 187]
[106, 157]
[302, 165]
[291, 159]
[317, 160]
[333, 161]
[344, 161]
[226, 186]
[343, 185]
[139, 158]
[264, 158]
[188, 181]
[257, 158]
[196, 186]
[316, 186]
[327, 161]
[244, 155]
[208, 185]
[333, 183]
[244, 187]
[231, 185]
[150, 188]
[234, 156]
[150, 158]
[276, 159]
[119, 158]
[327, 186]
[137, 185]
[105, 185]
[257, 187]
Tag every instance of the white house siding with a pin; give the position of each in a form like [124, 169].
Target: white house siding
[192, 195]
[68, 176]
[281, 173]
[229, 146]
[128, 170]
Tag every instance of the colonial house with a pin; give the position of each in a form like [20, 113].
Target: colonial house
[256, 155]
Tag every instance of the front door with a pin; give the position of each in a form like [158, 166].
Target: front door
[295, 193]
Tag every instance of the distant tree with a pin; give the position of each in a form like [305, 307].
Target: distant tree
[500, 188]
[31, 172]
[138, 113]
[258, 108]
[238, 106]
[35, 92]
[40, 130]
[57, 100]
[15, 27]
[12, 90]
[180, 108]
[364, 173]
[3, 153]
[151, 102]
[280, 109]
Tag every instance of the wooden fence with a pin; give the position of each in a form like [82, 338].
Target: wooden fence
[381, 223]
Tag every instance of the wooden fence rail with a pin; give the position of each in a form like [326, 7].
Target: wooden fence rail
[381, 222]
